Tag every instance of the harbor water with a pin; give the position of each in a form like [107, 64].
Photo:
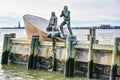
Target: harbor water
[20, 72]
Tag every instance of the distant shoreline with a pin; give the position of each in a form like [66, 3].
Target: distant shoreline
[90, 28]
[64, 28]
[12, 28]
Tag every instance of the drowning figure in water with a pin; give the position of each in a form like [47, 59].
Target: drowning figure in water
[66, 14]
[52, 23]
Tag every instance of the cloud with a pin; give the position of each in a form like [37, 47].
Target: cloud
[81, 10]
[6, 21]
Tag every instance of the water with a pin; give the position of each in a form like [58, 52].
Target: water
[20, 72]
[101, 34]
[20, 33]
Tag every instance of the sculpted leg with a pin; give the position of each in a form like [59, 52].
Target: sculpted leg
[61, 27]
[69, 28]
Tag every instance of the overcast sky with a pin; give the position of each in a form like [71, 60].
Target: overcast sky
[83, 12]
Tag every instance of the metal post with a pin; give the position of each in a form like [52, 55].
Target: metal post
[69, 66]
[68, 45]
[90, 58]
[6, 49]
[54, 62]
[72, 54]
[88, 37]
[92, 32]
[34, 52]
[114, 61]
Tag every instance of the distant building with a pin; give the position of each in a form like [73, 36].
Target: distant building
[19, 26]
[116, 27]
[106, 26]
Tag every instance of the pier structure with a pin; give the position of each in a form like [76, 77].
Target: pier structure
[85, 59]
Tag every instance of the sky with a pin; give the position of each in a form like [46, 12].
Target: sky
[83, 12]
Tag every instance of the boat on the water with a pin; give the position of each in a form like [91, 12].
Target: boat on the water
[37, 26]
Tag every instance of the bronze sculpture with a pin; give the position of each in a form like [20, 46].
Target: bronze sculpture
[66, 14]
[52, 23]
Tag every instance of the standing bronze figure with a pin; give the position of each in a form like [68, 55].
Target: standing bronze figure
[66, 14]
